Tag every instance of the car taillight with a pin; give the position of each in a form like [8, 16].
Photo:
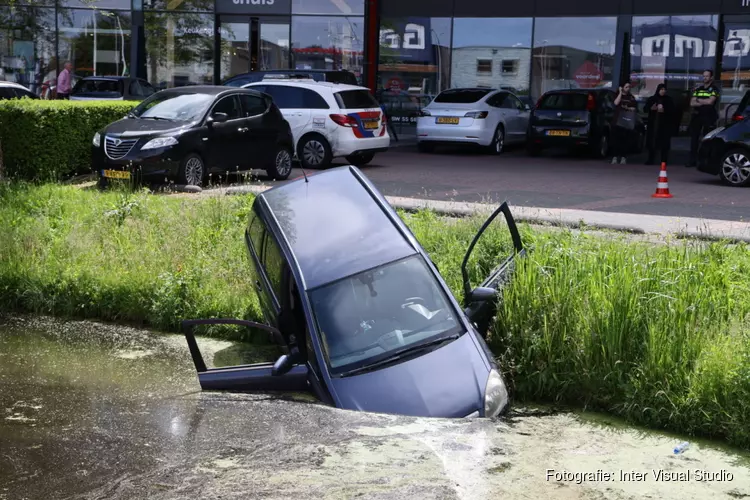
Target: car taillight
[538, 102]
[344, 120]
[476, 114]
[737, 118]
[591, 103]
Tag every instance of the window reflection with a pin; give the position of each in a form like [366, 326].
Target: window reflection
[414, 66]
[573, 52]
[99, 4]
[274, 46]
[735, 64]
[329, 7]
[182, 5]
[27, 52]
[96, 42]
[179, 49]
[492, 53]
[328, 43]
[675, 50]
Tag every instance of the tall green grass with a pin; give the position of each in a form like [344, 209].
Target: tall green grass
[658, 334]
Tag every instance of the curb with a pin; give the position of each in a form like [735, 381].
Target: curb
[680, 227]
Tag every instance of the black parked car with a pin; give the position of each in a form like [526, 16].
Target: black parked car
[111, 88]
[361, 314]
[186, 133]
[577, 119]
[725, 151]
[319, 75]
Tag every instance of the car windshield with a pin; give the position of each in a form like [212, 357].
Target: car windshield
[94, 86]
[568, 101]
[173, 106]
[464, 96]
[370, 316]
[356, 99]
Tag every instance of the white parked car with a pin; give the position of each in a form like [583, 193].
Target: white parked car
[490, 118]
[329, 120]
[12, 90]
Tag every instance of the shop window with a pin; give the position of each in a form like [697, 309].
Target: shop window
[179, 49]
[27, 52]
[675, 50]
[510, 66]
[96, 42]
[735, 64]
[484, 66]
[573, 52]
[414, 67]
[502, 42]
[329, 7]
[96, 4]
[328, 43]
[179, 5]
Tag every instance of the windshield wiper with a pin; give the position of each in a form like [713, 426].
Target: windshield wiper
[156, 118]
[401, 354]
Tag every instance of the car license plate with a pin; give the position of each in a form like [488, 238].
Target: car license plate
[448, 120]
[370, 124]
[117, 174]
[561, 133]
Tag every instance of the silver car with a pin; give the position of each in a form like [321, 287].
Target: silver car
[489, 118]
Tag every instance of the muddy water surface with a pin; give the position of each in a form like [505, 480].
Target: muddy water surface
[95, 411]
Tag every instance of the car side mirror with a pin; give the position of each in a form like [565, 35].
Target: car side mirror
[218, 117]
[482, 294]
[282, 365]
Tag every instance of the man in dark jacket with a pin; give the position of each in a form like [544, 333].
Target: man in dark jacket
[704, 116]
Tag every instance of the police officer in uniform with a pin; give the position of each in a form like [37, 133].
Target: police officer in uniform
[704, 113]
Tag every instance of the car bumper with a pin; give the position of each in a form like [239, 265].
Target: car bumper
[477, 132]
[355, 145]
[580, 136]
[709, 157]
[161, 165]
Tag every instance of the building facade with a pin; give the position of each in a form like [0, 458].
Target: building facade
[411, 49]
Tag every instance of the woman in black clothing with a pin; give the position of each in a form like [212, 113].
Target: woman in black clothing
[622, 129]
[660, 109]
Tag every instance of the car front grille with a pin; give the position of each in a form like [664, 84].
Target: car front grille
[118, 148]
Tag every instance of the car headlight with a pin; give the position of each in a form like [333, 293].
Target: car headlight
[160, 142]
[97, 140]
[495, 395]
[712, 133]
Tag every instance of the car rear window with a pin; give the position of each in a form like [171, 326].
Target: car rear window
[356, 99]
[564, 101]
[105, 87]
[462, 96]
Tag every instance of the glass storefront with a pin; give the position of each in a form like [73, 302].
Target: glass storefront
[573, 52]
[735, 64]
[675, 50]
[414, 66]
[27, 47]
[321, 42]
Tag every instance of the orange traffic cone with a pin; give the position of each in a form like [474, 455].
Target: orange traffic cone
[662, 186]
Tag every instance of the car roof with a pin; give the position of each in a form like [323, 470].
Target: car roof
[111, 78]
[307, 83]
[208, 89]
[335, 225]
[4, 83]
[578, 91]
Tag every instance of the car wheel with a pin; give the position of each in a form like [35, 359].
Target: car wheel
[360, 159]
[314, 152]
[282, 164]
[498, 141]
[192, 171]
[425, 147]
[735, 168]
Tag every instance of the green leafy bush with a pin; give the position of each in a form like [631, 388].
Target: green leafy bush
[51, 140]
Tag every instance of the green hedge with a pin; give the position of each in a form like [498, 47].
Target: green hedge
[50, 140]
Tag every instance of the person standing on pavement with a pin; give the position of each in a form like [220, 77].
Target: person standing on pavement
[624, 124]
[660, 109]
[63, 81]
[704, 113]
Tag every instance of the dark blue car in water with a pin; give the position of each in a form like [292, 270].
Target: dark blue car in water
[364, 319]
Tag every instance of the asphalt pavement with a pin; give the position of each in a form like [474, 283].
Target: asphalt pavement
[554, 180]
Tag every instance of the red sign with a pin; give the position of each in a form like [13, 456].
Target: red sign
[396, 84]
[588, 75]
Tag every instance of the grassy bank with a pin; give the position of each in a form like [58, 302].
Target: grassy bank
[659, 334]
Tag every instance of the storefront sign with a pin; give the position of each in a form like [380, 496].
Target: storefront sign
[408, 40]
[254, 7]
[588, 75]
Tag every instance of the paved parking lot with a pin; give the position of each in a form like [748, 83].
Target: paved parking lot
[554, 180]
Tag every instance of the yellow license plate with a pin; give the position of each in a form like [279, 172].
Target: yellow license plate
[448, 120]
[371, 124]
[116, 174]
[562, 133]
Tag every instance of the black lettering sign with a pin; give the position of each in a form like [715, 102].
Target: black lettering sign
[254, 6]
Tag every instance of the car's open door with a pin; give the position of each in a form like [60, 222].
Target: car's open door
[283, 375]
[480, 302]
